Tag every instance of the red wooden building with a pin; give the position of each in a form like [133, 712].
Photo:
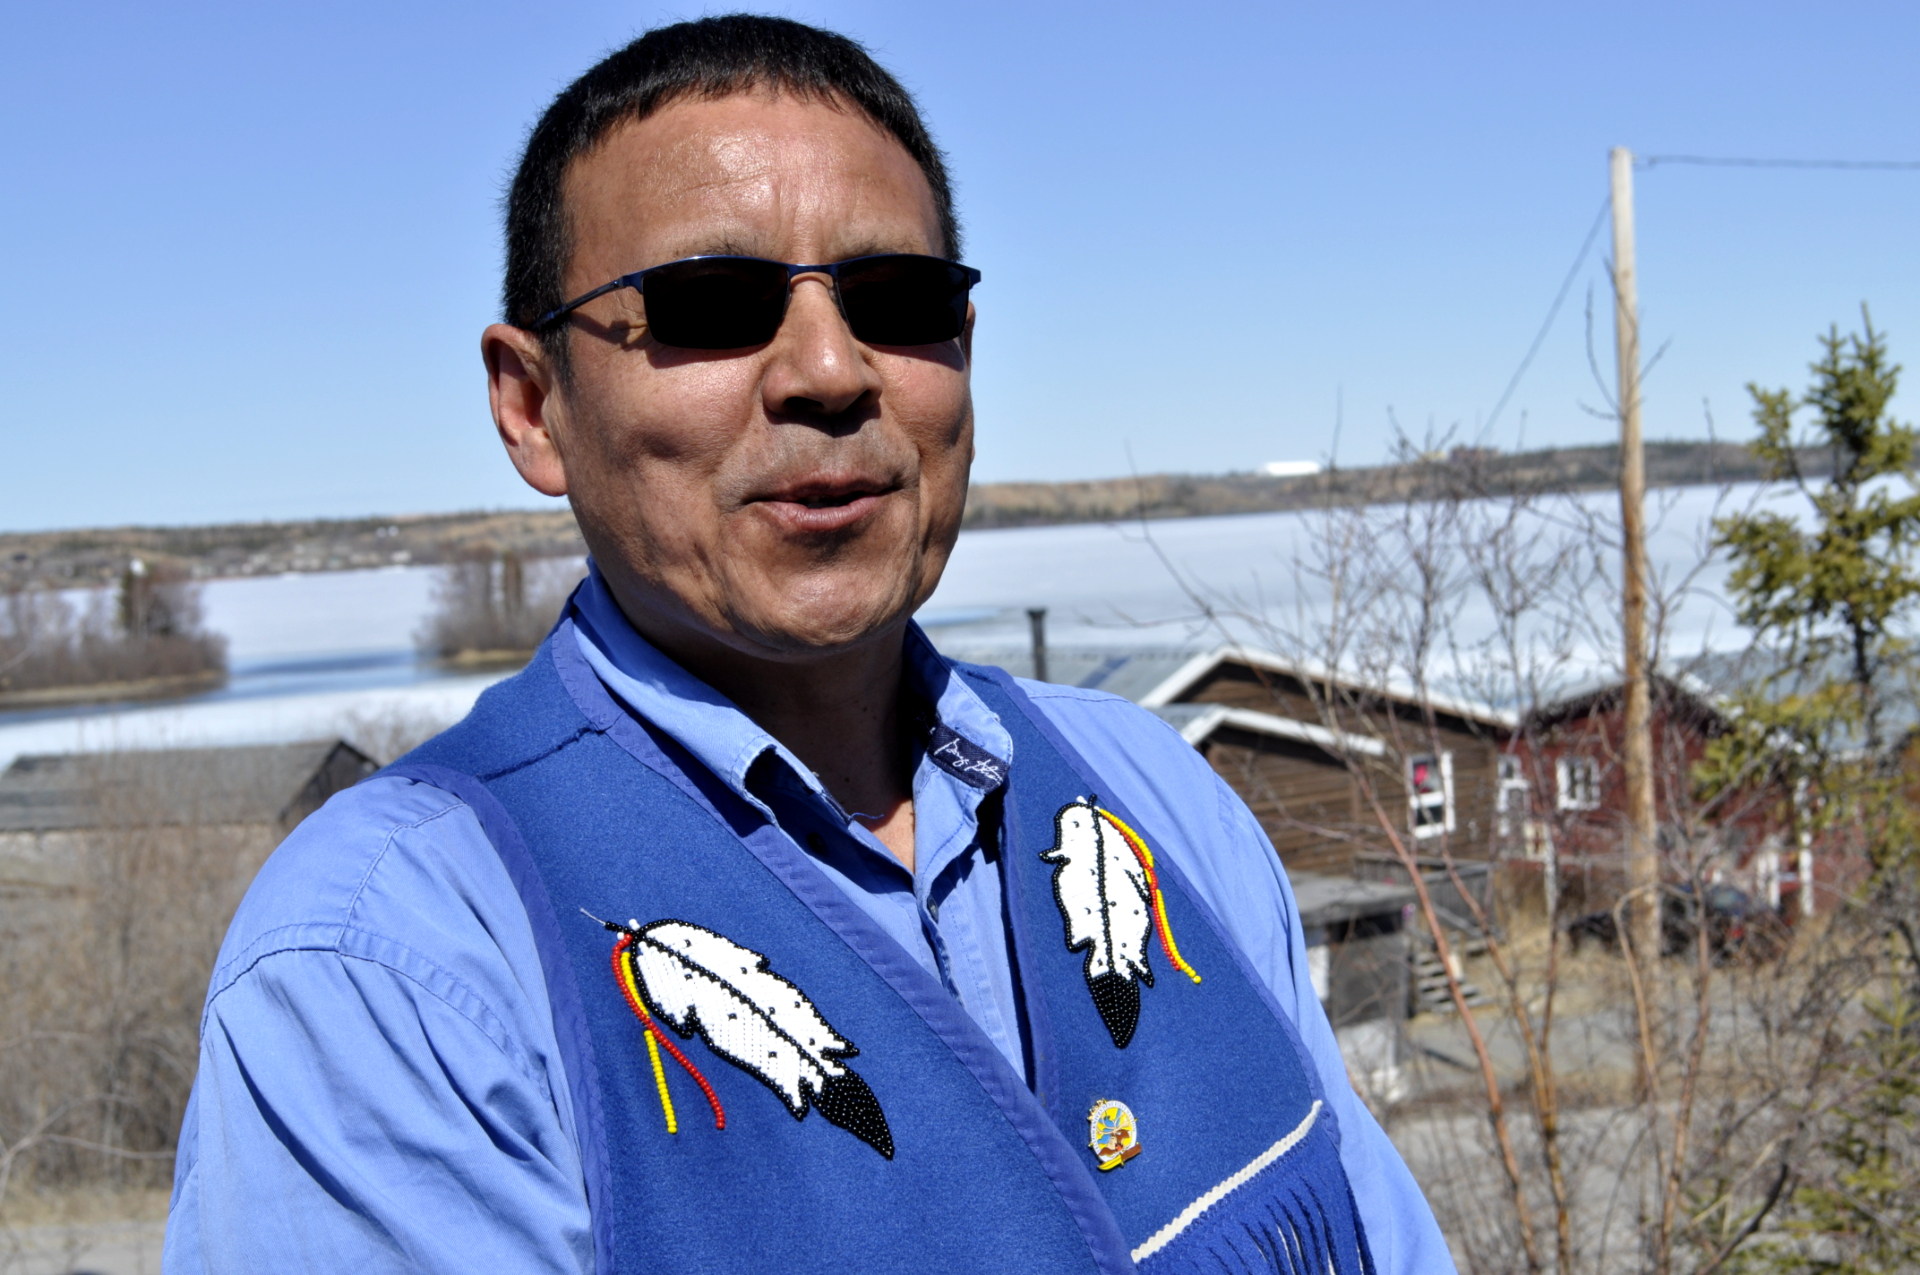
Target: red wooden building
[1563, 803]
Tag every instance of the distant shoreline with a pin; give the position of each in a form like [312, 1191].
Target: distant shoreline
[79, 558]
[170, 687]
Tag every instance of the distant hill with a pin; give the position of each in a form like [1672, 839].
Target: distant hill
[68, 558]
[65, 558]
[1465, 471]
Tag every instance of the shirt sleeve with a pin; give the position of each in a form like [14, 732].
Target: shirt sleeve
[1234, 867]
[363, 1107]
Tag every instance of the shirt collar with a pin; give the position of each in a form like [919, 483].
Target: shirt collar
[966, 739]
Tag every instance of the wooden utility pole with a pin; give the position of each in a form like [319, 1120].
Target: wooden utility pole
[1643, 861]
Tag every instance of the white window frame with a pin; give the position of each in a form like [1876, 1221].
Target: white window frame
[1420, 820]
[1512, 793]
[1576, 783]
[1320, 971]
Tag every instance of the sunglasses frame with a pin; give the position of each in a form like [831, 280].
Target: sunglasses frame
[638, 281]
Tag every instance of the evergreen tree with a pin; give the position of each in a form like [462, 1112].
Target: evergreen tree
[1834, 590]
[1827, 598]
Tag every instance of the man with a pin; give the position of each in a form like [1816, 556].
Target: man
[741, 931]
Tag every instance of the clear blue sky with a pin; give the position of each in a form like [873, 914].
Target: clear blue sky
[246, 249]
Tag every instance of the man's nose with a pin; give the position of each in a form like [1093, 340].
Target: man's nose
[815, 366]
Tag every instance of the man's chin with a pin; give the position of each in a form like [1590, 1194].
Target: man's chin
[813, 628]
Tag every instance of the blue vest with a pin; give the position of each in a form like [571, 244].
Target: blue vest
[835, 1110]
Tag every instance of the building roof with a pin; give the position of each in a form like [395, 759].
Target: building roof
[1196, 722]
[1683, 695]
[54, 791]
[1190, 674]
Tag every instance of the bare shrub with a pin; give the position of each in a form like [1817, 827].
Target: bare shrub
[490, 606]
[387, 731]
[108, 935]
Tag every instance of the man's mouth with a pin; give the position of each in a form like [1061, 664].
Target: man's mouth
[832, 500]
[824, 506]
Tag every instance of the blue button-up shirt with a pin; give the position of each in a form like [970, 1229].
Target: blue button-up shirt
[380, 1088]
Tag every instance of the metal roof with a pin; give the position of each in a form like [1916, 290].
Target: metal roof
[53, 791]
[1196, 722]
[1328, 900]
[1190, 672]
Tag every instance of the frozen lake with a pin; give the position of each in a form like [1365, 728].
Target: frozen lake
[324, 653]
[1121, 584]
[320, 615]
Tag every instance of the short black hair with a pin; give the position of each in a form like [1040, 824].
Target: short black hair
[713, 57]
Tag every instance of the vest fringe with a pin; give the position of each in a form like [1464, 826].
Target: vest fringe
[1309, 1226]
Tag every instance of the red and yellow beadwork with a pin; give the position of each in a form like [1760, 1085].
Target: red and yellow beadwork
[1139, 847]
[656, 1039]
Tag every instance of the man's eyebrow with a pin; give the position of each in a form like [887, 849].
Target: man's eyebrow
[727, 246]
[873, 248]
[724, 246]
[730, 247]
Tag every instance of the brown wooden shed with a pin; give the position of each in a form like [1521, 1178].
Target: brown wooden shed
[1312, 754]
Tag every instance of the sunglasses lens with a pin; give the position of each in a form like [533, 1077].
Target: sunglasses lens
[904, 300]
[716, 303]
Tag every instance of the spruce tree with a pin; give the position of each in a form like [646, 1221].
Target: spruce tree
[1831, 592]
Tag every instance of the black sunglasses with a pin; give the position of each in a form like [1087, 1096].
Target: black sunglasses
[725, 303]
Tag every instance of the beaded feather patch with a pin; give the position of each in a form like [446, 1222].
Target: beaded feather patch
[1109, 896]
[697, 981]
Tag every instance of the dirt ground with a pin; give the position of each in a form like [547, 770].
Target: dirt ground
[83, 1233]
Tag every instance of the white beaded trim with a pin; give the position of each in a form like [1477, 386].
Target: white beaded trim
[1191, 1214]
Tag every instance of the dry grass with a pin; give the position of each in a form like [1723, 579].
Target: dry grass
[86, 1206]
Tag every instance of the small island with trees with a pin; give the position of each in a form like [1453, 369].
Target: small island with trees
[147, 640]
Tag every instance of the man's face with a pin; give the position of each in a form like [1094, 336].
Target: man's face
[786, 500]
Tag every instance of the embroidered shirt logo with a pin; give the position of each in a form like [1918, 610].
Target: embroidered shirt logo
[1112, 1133]
[1109, 897]
[695, 980]
[964, 759]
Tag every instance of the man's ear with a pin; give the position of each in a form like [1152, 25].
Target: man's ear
[526, 407]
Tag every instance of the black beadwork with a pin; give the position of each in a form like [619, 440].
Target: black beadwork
[1118, 1000]
[845, 1100]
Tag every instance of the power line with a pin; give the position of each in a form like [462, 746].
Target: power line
[1599, 219]
[1553, 312]
[1648, 161]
